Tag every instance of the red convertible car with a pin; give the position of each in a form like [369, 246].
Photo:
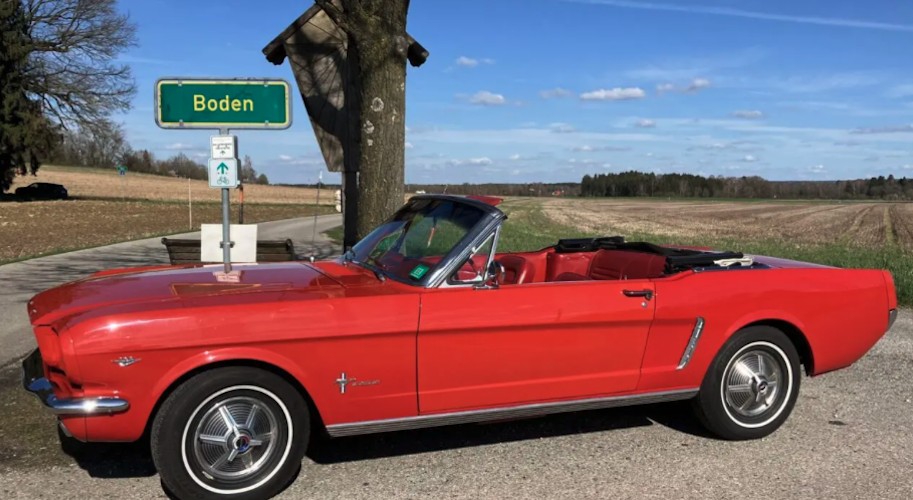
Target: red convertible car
[423, 323]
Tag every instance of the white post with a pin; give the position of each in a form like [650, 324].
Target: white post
[314, 232]
[189, 206]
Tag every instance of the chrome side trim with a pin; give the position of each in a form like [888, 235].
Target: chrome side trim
[526, 411]
[692, 343]
[892, 317]
[33, 381]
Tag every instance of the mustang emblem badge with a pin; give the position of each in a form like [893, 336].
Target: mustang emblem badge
[125, 361]
[343, 381]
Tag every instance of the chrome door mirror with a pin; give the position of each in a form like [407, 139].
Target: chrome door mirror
[495, 274]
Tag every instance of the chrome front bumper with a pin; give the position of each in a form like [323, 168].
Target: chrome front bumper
[34, 381]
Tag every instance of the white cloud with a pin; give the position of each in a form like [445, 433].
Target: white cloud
[555, 93]
[180, 146]
[663, 88]
[823, 83]
[905, 90]
[515, 157]
[697, 85]
[486, 98]
[750, 14]
[585, 161]
[645, 123]
[615, 94]
[304, 160]
[817, 169]
[749, 158]
[748, 114]
[891, 129]
[471, 62]
[589, 149]
[515, 171]
[467, 62]
[481, 161]
[562, 128]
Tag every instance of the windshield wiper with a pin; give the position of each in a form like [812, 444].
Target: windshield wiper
[376, 268]
[349, 256]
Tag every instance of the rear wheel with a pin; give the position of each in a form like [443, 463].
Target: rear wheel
[752, 385]
[230, 433]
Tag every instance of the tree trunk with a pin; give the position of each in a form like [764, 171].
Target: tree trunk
[377, 54]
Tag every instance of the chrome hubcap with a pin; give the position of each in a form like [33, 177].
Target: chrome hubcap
[235, 438]
[752, 383]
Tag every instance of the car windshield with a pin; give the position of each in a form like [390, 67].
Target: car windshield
[414, 242]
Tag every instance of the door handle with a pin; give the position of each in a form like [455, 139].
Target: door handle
[647, 294]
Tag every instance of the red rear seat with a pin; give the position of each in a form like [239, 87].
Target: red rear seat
[625, 265]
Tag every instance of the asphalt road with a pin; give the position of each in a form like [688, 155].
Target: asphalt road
[21, 280]
[850, 436]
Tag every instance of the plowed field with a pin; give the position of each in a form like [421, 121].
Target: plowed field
[869, 225]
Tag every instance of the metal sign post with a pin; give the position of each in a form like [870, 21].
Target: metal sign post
[223, 174]
[226, 236]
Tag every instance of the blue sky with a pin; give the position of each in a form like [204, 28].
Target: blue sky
[549, 90]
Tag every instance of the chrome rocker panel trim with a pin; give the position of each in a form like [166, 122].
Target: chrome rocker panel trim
[692, 343]
[525, 411]
[33, 381]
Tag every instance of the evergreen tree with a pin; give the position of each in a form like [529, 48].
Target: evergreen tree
[21, 123]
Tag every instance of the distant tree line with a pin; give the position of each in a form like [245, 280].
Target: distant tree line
[501, 189]
[635, 183]
[105, 146]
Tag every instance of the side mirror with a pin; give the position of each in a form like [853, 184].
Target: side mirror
[495, 273]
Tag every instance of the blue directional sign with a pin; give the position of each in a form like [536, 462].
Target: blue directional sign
[223, 173]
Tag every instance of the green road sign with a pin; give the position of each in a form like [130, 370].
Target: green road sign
[236, 104]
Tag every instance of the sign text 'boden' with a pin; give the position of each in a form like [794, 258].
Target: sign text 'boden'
[222, 104]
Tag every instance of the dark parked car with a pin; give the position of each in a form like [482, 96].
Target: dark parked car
[42, 191]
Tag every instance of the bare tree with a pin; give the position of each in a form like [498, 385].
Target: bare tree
[104, 145]
[73, 69]
[248, 174]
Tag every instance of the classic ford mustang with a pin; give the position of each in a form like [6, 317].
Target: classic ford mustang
[424, 323]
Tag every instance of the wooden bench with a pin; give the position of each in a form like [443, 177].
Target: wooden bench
[188, 251]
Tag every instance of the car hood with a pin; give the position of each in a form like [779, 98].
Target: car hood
[164, 286]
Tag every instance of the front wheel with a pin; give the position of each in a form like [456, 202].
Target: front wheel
[752, 385]
[230, 433]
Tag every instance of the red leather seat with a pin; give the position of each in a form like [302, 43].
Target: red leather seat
[517, 270]
[625, 265]
[567, 266]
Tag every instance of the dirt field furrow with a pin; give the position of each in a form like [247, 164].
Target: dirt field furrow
[858, 224]
[902, 220]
